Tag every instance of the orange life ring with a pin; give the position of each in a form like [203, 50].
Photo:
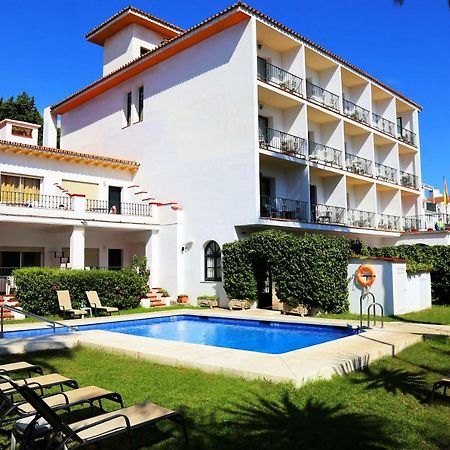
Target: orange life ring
[365, 275]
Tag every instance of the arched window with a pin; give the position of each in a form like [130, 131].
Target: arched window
[213, 262]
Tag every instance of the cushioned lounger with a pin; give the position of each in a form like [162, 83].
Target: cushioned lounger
[20, 366]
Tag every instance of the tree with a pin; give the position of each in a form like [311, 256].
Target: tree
[401, 2]
[23, 107]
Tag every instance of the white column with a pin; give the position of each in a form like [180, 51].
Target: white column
[77, 247]
[50, 128]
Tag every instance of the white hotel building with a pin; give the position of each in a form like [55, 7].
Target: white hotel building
[202, 136]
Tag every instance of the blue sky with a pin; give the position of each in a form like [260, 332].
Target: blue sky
[45, 54]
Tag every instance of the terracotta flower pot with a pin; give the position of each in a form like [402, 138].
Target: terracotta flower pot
[182, 299]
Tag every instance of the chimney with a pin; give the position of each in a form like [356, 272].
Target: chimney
[19, 132]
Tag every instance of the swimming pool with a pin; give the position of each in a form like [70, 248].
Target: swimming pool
[242, 334]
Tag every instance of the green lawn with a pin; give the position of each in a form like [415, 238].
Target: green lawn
[383, 407]
[439, 315]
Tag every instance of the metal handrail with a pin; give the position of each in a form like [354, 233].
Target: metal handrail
[373, 305]
[53, 323]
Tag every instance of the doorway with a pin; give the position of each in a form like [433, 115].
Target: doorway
[263, 277]
[114, 199]
[114, 258]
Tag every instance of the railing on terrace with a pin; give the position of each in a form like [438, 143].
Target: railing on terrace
[322, 96]
[385, 173]
[328, 214]
[323, 153]
[282, 142]
[409, 180]
[279, 77]
[358, 165]
[427, 222]
[363, 219]
[406, 136]
[130, 209]
[28, 200]
[355, 112]
[283, 208]
[382, 124]
[389, 222]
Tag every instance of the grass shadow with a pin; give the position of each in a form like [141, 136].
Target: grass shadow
[262, 424]
[396, 381]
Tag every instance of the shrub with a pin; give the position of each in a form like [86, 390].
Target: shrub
[208, 297]
[303, 268]
[36, 287]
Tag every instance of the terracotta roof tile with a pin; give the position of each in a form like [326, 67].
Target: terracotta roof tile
[72, 154]
[252, 11]
[138, 11]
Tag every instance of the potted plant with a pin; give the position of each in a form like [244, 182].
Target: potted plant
[208, 301]
[182, 298]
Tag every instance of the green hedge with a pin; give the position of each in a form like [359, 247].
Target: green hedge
[37, 286]
[309, 269]
[420, 257]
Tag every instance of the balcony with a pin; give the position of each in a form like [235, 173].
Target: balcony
[279, 77]
[356, 112]
[358, 165]
[363, 219]
[389, 222]
[126, 209]
[283, 208]
[282, 142]
[383, 125]
[328, 214]
[325, 154]
[406, 136]
[408, 180]
[427, 222]
[385, 173]
[28, 200]
[322, 96]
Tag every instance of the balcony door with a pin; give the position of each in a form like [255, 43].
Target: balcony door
[313, 200]
[115, 258]
[114, 199]
[263, 124]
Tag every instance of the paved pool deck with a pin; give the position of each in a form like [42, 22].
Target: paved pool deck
[298, 366]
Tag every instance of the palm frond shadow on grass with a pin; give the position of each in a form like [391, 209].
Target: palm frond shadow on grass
[396, 381]
[262, 424]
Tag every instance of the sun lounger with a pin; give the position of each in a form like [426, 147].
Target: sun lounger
[7, 369]
[443, 383]
[63, 400]
[65, 305]
[96, 304]
[40, 382]
[89, 431]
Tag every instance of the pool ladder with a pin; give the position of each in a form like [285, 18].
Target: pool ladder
[52, 323]
[371, 306]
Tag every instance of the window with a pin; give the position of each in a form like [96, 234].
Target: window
[213, 262]
[19, 189]
[128, 109]
[140, 105]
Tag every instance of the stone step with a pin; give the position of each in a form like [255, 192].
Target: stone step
[157, 303]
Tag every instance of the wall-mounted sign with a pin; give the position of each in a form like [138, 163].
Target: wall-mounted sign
[21, 131]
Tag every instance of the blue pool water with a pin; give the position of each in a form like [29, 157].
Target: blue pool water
[252, 335]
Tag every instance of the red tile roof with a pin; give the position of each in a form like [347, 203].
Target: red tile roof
[251, 11]
[38, 149]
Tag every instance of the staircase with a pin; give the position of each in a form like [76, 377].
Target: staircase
[11, 301]
[155, 297]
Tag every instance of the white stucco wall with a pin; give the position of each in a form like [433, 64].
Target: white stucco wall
[398, 292]
[192, 152]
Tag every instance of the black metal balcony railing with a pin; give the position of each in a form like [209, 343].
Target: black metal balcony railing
[282, 142]
[427, 222]
[283, 208]
[406, 136]
[323, 153]
[279, 77]
[389, 222]
[385, 173]
[322, 96]
[409, 180]
[328, 214]
[28, 200]
[355, 112]
[129, 209]
[384, 125]
[358, 165]
[363, 219]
